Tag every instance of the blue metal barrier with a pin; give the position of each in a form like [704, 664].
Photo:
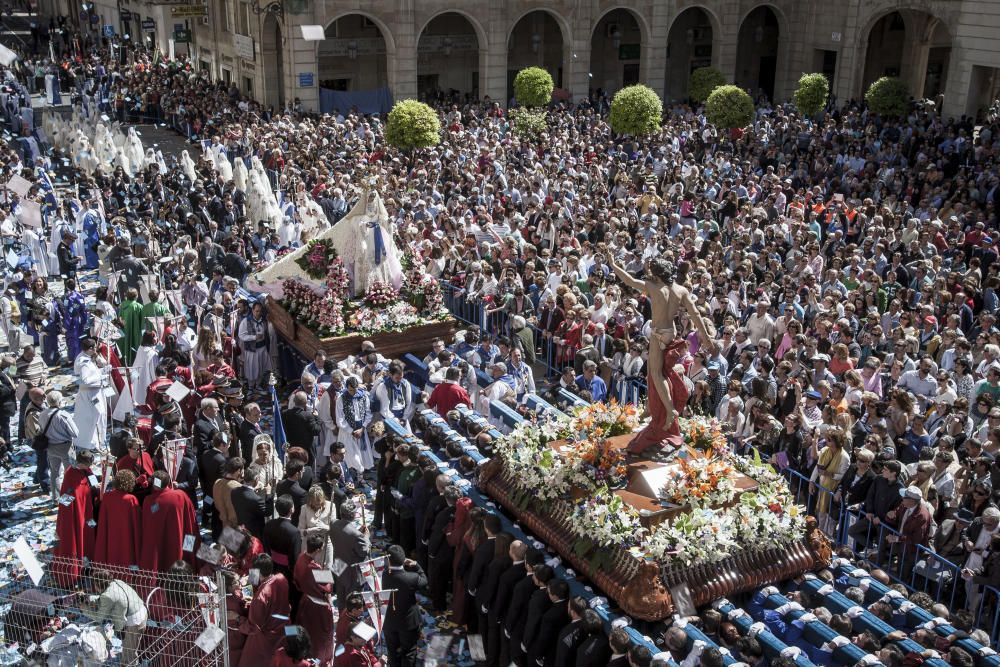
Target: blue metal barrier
[768, 641]
[543, 407]
[819, 633]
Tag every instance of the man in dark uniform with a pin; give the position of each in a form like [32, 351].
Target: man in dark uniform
[439, 552]
[211, 470]
[529, 614]
[401, 627]
[593, 650]
[542, 649]
[493, 630]
[491, 578]
[283, 541]
[249, 506]
[517, 607]
[480, 559]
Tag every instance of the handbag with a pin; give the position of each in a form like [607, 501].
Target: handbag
[40, 442]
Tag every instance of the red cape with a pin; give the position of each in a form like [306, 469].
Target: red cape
[315, 617]
[165, 639]
[118, 534]
[270, 600]
[167, 517]
[142, 467]
[75, 524]
[654, 433]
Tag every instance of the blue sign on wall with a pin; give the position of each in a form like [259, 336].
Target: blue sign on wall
[306, 80]
[109, 31]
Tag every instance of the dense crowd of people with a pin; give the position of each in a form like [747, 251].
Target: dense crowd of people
[848, 267]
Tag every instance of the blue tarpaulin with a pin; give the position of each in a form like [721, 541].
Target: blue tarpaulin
[367, 101]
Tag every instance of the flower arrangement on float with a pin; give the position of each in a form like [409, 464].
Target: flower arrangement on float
[581, 475]
[327, 307]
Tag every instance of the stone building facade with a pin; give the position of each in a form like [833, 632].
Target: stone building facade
[945, 49]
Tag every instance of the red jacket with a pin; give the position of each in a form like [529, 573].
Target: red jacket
[917, 528]
[446, 396]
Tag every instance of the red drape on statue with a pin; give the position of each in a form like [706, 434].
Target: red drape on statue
[270, 600]
[167, 517]
[315, 613]
[654, 433]
[118, 533]
[76, 527]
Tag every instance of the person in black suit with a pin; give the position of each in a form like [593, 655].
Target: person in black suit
[512, 619]
[282, 539]
[854, 485]
[641, 656]
[333, 486]
[401, 627]
[249, 506]
[302, 426]
[572, 635]
[439, 552]
[249, 429]
[490, 580]
[435, 504]
[186, 479]
[211, 470]
[493, 631]
[619, 643]
[480, 559]
[542, 650]
[593, 651]
[530, 615]
[290, 486]
[206, 425]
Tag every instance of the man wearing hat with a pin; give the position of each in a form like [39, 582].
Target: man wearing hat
[820, 372]
[68, 261]
[913, 521]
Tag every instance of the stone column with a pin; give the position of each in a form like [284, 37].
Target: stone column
[303, 58]
[654, 49]
[403, 62]
[851, 60]
[725, 44]
[493, 76]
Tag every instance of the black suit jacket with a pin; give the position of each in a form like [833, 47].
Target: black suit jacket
[187, 477]
[403, 612]
[537, 607]
[301, 426]
[594, 651]
[569, 640]
[246, 435]
[295, 490]
[434, 506]
[543, 648]
[211, 468]
[505, 589]
[284, 542]
[249, 510]
[480, 559]
[857, 493]
[202, 434]
[488, 586]
[517, 610]
[437, 541]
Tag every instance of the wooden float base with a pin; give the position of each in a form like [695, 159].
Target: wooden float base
[390, 344]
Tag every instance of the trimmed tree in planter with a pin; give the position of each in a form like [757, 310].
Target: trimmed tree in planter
[412, 124]
[810, 96]
[636, 111]
[703, 81]
[729, 107]
[533, 87]
[888, 96]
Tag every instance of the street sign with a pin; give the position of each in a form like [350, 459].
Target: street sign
[182, 36]
[306, 79]
[188, 11]
[109, 31]
[148, 25]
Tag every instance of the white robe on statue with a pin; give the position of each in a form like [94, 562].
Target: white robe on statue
[91, 410]
[358, 453]
[328, 418]
[143, 371]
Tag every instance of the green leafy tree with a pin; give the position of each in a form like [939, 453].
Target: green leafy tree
[533, 87]
[888, 96]
[703, 81]
[412, 124]
[729, 107]
[636, 110]
[810, 96]
[528, 123]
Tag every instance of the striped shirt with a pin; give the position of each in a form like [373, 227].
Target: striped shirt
[33, 373]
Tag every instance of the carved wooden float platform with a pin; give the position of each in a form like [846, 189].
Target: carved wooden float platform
[391, 344]
[642, 588]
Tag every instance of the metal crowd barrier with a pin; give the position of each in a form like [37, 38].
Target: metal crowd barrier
[815, 632]
[769, 642]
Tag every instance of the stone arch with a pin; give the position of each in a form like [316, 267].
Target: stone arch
[684, 55]
[920, 54]
[447, 64]
[273, 57]
[336, 49]
[759, 46]
[537, 48]
[608, 69]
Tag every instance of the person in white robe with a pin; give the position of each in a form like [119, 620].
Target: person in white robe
[353, 417]
[91, 410]
[504, 386]
[327, 411]
[255, 334]
[35, 246]
[395, 396]
[144, 366]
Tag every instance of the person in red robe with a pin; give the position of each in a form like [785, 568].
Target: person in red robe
[173, 608]
[269, 612]
[358, 650]
[237, 617]
[168, 517]
[315, 613]
[295, 649]
[76, 525]
[456, 536]
[350, 615]
[140, 464]
[118, 533]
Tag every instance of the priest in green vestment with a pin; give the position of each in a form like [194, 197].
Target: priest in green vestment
[130, 313]
[154, 309]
